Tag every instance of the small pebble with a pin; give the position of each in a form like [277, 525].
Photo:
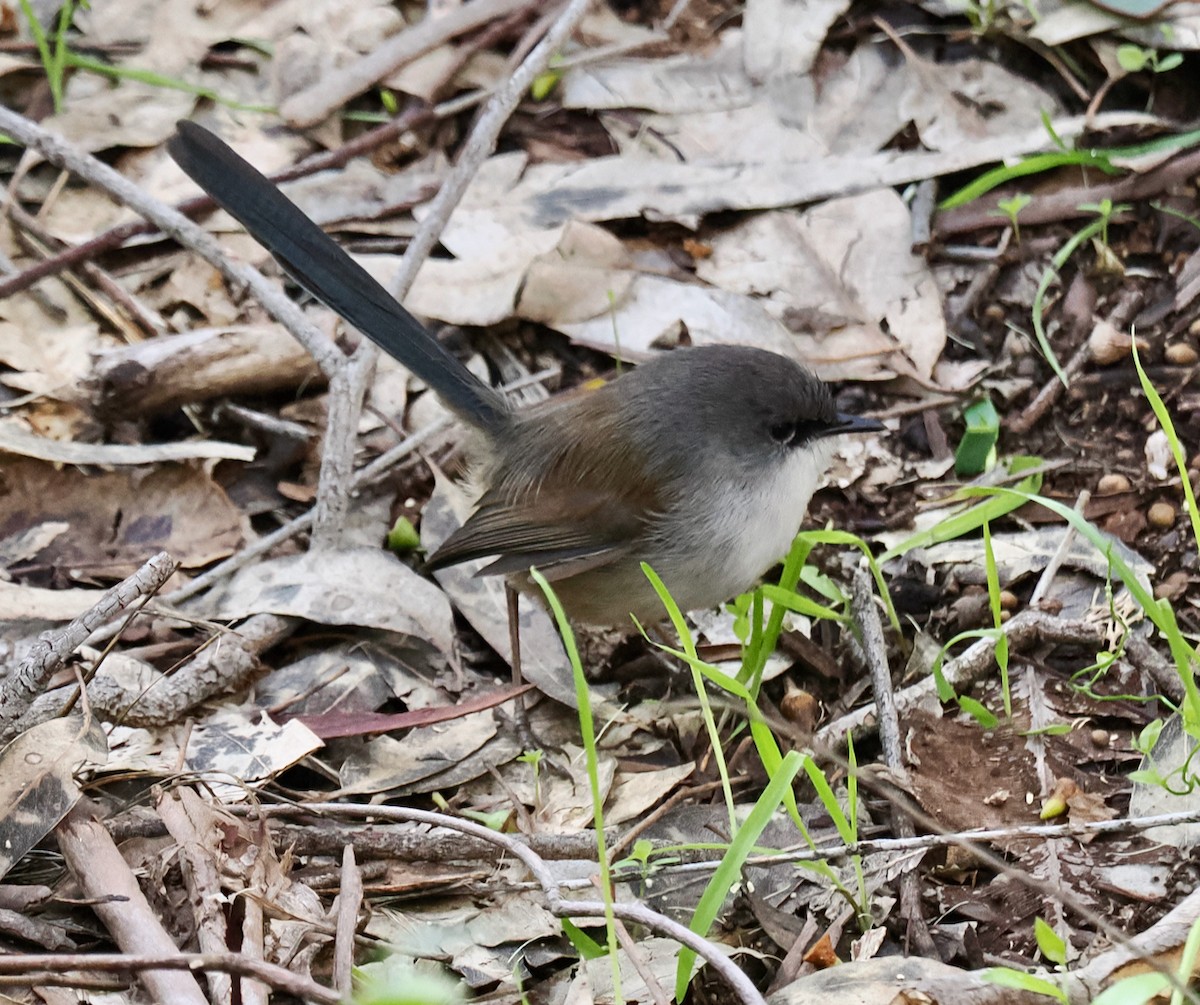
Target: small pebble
[1173, 587]
[1111, 484]
[994, 312]
[1194, 327]
[1161, 515]
[1100, 737]
[1108, 344]
[800, 708]
[1180, 354]
[1008, 600]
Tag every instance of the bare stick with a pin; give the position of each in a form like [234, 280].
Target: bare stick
[186, 816]
[53, 647]
[349, 900]
[316, 103]
[866, 615]
[482, 142]
[61, 153]
[558, 905]
[413, 116]
[105, 877]
[56, 968]
[1022, 631]
[1046, 580]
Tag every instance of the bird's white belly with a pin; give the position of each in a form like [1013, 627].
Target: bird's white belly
[752, 528]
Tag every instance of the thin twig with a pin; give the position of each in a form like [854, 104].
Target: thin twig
[558, 905]
[105, 877]
[57, 969]
[415, 115]
[1022, 631]
[349, 900]
[64, 154]
[316, 103]
[874, 648]
[53, 647]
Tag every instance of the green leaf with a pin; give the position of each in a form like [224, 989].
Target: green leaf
[1137, 989]
[587, 947]
[1148, 737]
[543, 84]
[978, 711]
[1054, 729]
[978, 445]
[968, 520]
[729, 871]
[1050, 942]
[495, 820]
[1006, 977]
[403, 536]
[1133, 58]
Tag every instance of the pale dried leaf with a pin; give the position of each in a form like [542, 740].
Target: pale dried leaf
[842, 276]
[37, 783]
[359, 586]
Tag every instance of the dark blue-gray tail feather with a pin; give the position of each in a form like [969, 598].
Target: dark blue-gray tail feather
[320, 265]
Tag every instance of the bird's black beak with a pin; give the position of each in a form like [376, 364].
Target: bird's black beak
[847, 423]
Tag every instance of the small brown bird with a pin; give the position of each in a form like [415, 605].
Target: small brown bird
[700, 462]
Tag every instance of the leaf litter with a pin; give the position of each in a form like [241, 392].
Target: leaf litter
[691, 178]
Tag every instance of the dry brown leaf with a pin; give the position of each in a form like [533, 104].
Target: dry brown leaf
[119, 518]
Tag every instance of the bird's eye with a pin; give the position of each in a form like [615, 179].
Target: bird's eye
[798, 432]
[782, 432]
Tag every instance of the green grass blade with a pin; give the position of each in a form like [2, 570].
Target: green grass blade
[587, 729]
[1048, 277]
[729, 871]
[968, 521]
[1158, 611]
[1168, 427]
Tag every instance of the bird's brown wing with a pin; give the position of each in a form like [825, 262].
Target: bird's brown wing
[562, 533]
[572, 496]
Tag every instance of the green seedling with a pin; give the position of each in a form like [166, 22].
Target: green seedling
[977, 449]
[976, 709]
[1050, 942]
[1053, 948]
[534, 759]
[729, 872]
[1011, 208]
[1135, 58]
[779, 768]
[403, 536]
[1162, 207]
[993, 584]
[1104, 209]
[57, 58]
[1159, 611]
[401, 981]
[495, 820]
[545, 82]
[1158, 406]
[587, 947]
[972, 518]
[1060, 259]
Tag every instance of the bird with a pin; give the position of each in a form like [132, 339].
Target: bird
[699, 462]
